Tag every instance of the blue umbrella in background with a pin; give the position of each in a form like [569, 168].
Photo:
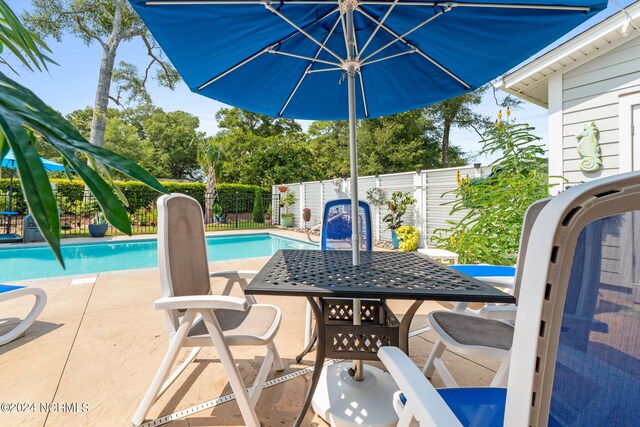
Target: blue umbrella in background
[350, 59]
[9, 161]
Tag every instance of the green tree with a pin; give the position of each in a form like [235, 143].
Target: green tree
[236, 119]
[107, 23]
[458, 112]
[210, 158]
[258, 208]
[173, 140]
[25, 120]
[329, 142]
[495, 207]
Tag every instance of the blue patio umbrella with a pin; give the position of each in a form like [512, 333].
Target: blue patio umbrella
[9, 161]
[350, 59]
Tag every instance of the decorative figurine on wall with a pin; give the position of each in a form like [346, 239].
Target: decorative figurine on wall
[589, 148]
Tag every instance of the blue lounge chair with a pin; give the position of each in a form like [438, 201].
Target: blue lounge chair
[8, 292]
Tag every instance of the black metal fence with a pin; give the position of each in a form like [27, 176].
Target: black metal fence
[226, 211]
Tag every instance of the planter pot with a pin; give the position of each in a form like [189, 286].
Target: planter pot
[306, 217]
[98, 230]
[287, 221]
[394, 239]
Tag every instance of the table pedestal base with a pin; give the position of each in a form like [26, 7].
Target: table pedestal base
[342, 401]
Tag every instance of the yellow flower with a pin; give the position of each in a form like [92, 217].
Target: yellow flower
[500, 115]
[458, 177]
[508, 111]
[452, 239]
[497, 123]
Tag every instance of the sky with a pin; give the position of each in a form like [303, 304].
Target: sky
[72, 84]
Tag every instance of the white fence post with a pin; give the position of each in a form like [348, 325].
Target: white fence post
[377, 220]
[419, 213]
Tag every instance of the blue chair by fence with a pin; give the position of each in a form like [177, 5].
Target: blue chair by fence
[336, 235]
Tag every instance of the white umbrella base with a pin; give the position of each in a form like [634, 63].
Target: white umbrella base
[342, 401]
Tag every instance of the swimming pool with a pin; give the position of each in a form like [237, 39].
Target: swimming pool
[38, 261]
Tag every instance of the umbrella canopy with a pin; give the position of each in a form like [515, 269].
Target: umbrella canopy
[291, 58]
[288, 58]
[9, 161]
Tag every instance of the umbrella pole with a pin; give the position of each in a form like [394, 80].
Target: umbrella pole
[351, 65]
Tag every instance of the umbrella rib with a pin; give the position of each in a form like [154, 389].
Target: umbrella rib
[308, 69]
[413, 50]
[255, 55]
[373, 34]
[417, 50]
[482, 5]
[364, 97]
[306, 58]
[322, 70]
[302, 31]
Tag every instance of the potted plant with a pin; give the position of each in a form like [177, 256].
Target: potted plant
[397, 207]
[283, 188]
[408, 238]
[306, 214]
[99, 226]
[286, 217]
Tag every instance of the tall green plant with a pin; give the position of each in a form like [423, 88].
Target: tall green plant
[494, 208]
[396, 207]
[258, 207]
[25, 119]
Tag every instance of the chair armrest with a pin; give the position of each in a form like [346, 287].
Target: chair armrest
[499, 312]
[426, 404]
[235, 274]
[213, 302]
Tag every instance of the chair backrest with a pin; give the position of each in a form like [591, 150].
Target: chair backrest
[530, 217]
[336, 225]
[182, 252]
[576, 352]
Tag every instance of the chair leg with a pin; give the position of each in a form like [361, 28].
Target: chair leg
[169, 359]
[308, 327]
[233, 374]
[436, 353]
[277, 361]
[502, 376]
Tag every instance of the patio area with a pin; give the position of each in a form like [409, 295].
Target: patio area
[98, 344]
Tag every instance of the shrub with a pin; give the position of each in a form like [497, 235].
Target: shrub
[494, 209]
[258, 207]
[408, 238]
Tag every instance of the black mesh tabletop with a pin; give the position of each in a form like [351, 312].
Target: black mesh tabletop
[385, 275]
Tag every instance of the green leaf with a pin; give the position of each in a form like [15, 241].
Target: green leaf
[21, 109]
[34, 181]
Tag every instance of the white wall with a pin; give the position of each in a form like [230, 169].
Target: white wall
[427, 187]
[591, 92]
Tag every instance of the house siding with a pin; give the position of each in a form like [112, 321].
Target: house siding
[591, 92]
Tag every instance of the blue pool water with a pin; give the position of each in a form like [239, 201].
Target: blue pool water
[38, 261]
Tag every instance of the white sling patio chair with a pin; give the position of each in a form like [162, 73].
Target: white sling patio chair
[575, 359]
[195, 318]
[8, 292]
[485, 334]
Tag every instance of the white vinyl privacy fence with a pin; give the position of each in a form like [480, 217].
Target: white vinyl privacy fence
[428, 187]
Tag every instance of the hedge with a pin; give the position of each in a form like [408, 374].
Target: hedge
[140, 196]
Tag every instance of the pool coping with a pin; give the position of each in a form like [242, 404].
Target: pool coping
[287, 234]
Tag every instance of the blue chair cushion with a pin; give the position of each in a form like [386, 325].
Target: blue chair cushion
[475, 406]
[9, 288]
[485, 270]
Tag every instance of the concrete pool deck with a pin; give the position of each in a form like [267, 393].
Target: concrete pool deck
[98, 343]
